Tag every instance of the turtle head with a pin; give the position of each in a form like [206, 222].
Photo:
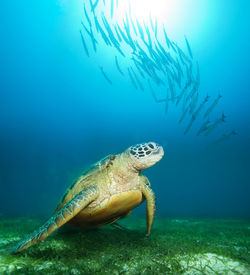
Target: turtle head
[145, 155]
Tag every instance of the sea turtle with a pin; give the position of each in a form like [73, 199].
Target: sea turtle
[105, 193]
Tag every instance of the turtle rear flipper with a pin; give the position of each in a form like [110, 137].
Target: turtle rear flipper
[66, 213]
[118, 226]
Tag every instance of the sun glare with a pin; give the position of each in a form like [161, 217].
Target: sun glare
[170, 12]
[144, 8]
[178, 16]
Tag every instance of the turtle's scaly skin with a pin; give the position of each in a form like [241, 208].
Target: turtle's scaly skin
[105, 194]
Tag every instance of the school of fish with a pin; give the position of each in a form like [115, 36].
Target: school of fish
[154, 64]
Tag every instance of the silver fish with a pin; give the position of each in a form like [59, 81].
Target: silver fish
[137, 65]
[148, 34]
[90, 33]
[97, 25]
[87, 17]
[189, 48]
[137, 79]
[123, 35]
[189, 125]
[189, 70]
[117, 65]
[203, 127]
[210, 109]
[224, 138]
[182, 54]
[198, 75]
[105, 75]
[172, 89]
[103, 34]
[132, 79]
[164, 53]
[131, 43]
[185, 101]
[192, 92]
[166, 38]
[182, 93]
[119, 49]
[91, 6]
[133, 24]
[117, 33]
[140, 29]
[127, 21]
[109, 30]
[183, 115]
[215, 125]
[111, 36]
[196, 113]
[95, 4]
[167, 99]
[84, 44]
[194, 102]
[178, 67]
[156, 28]
[171, 44]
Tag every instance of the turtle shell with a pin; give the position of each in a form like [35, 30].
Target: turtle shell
[93, 167]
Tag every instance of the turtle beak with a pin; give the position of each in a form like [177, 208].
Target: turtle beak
[159, 151]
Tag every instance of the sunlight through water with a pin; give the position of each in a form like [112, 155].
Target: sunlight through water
[177, 15]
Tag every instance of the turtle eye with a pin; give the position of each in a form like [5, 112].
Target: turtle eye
[151, 145]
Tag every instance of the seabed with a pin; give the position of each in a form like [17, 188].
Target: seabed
[176, 246]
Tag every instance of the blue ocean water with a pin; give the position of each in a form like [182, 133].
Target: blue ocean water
[58, 114]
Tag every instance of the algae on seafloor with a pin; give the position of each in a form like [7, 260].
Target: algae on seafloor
[176, 246]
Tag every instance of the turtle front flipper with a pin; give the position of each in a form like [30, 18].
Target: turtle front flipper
[150, 197]
[66, 213]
